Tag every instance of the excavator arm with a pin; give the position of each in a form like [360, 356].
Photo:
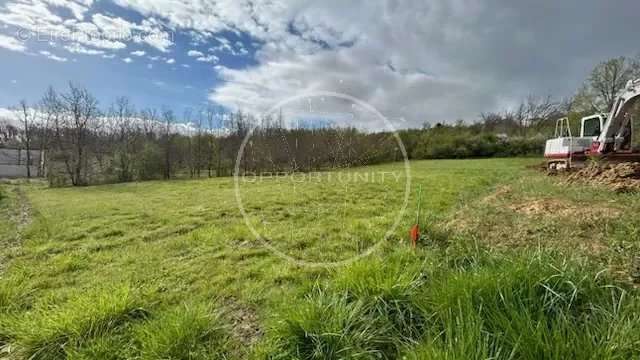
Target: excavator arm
[618, 120]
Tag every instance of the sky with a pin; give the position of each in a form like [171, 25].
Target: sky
[412, 60]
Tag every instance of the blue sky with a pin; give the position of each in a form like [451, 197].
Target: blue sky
[149, 76]
[413, 60]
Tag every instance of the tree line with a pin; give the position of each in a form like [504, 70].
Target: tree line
[84, 144]
[524, 129]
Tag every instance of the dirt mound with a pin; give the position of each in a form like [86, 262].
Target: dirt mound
[559, 208]
[624, 177]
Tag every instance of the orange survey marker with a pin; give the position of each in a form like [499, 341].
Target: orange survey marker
[414, 233]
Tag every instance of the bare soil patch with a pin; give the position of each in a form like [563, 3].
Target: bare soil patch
[501, 192]
[245, 324]
[564, 209]
[623, 177]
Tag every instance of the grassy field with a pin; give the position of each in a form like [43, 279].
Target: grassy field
[513, 264]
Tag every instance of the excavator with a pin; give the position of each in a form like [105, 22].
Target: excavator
[607, 137]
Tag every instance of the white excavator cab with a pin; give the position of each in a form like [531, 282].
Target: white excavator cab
[564, 147]
[591, 126]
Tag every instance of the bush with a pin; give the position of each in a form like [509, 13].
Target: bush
[448, 142]
[149, 162]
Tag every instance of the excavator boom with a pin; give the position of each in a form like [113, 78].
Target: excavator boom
[618, 121]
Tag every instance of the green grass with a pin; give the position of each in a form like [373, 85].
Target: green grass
[185, 332]
[534, 309]
[170, 270]
[527, 306]
[47, 331]
[8, 206]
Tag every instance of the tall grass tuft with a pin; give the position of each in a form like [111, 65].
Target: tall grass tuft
[369, 312]
[333, 326]
[14, 292]
[187, 332]
[54, 331]
[499, 306]
[529, 307]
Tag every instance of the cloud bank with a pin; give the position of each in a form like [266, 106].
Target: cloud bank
[414, 60]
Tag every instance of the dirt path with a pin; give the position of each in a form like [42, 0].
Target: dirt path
[22, 217]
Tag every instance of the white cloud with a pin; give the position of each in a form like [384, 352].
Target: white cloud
[154, 35]
[225, 46]
[53, 57]
[79, 49]
[208, 58]
[138, 53]
[13, 44]
[147, 32]
[160, 40]
[195, 53]
[36, 17]
[128, 60]
[113, 27]
[77, 8]
[171, 61]
[41, 18]
[12, 117]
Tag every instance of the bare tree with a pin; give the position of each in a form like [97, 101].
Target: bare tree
[51, 111]
[199, 149]
[605, 82]
[79, 109]
[150, 121]
[168, 119]
[534, 111]
[123, 114]
[191, 156]
[212, 150]
[27, 118]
